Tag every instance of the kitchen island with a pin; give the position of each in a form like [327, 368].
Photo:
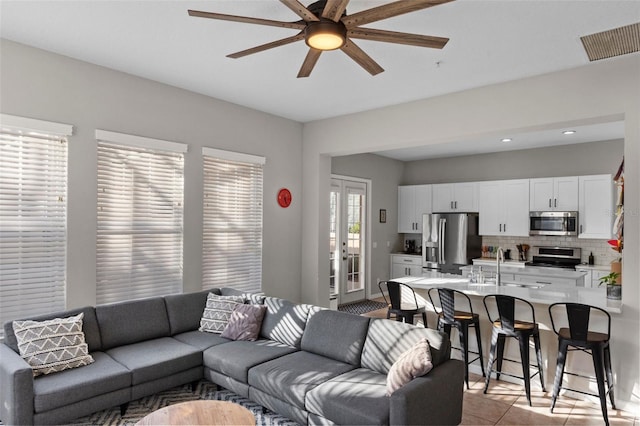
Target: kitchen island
[543, 294]
[540, 296]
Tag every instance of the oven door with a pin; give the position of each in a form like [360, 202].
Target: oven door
[553, 223]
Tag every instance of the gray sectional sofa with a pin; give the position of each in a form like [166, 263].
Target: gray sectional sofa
[312, 365]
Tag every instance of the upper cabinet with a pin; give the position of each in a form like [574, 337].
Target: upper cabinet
[504, 207]
[413, 202]
[596, 206]
[455, 197]
[554, 194]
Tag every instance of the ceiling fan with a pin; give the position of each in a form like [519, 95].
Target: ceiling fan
[325, 25]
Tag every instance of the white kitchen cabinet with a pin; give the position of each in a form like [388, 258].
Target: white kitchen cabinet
[554, 194]
[504, 207]
[404, 265]
[595, 207]
[455, 197]
[593, 274]
[413, 202]
[537, 279]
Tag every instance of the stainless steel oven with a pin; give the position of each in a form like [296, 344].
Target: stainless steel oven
[553, 223]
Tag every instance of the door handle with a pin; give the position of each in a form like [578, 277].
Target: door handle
[500, 227]
[455, 205]
[504, 228]
[555, 202]
[549, 202]
[344, 257]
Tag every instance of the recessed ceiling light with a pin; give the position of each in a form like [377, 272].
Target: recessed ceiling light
[506, 140]
[568, 132]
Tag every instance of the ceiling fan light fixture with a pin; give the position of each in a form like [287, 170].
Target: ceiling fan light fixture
[325, 35]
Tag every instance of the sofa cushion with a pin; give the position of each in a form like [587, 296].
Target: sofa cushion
[244, 323]
[296, 374]
[356, 397]
[157, 358]
[284, 321]
[217, 312]
[89, 327]
[53, 345]
[200, 340]
[58, 390]
[320, 335]
[234, 359]
[414, 363]
[185, 310]
[380, 351]
[132, 321]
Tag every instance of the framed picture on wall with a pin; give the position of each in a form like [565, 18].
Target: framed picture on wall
[383, 216]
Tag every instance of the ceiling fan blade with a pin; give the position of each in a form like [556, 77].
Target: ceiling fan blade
[309, 62]
[334, 9]
[300, 10]
[364, 60]
[247, 20]
[398, 38]
[388, 10]
[267, 46]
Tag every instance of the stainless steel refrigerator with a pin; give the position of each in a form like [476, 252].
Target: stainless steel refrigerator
[450, 241]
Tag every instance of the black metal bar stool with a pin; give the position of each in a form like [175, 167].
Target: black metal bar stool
[449, 316]
[506, 325]
[578, 337]
[402, 311]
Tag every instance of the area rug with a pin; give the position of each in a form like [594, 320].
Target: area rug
[204, 390]
[362, 307]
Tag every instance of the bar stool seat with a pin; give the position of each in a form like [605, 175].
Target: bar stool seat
[449, 317]
[506, 325]
[578, 337]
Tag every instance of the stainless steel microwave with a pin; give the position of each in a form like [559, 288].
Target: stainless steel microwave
[553, 223]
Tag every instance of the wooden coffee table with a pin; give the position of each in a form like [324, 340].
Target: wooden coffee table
[200, 413]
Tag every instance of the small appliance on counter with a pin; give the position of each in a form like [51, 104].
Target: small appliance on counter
[449, 241]
[556, 257]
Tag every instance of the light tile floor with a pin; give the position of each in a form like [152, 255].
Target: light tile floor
[506, 404]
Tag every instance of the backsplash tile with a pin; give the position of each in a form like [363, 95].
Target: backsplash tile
[602, 252]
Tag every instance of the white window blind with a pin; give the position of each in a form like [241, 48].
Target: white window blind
[140, 218]
[33, 217]
[232, 220]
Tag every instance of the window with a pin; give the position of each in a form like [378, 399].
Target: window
[140, 211]
[232, 220]
[33, 216]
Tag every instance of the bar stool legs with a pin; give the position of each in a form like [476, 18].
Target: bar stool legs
[463, 330]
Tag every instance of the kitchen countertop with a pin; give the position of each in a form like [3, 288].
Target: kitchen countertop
[545, 295]
[515, 267]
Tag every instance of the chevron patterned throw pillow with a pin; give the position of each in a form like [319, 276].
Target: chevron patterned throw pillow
[218, 311]
[53, 345]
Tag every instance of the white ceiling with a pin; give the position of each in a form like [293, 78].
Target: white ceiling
[491, 41]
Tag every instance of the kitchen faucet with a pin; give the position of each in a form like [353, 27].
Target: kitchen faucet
[499, 255]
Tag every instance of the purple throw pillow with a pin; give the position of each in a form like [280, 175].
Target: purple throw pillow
[245, 322]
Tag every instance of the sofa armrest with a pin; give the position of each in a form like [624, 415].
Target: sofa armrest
[432, 399]
[16, 388]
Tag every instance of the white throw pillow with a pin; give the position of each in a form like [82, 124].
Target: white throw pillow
[53, 345]
[218, 311]
[413, 363]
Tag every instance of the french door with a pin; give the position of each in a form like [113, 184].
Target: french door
[347, 235]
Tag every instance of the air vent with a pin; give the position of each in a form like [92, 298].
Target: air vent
[615, 42]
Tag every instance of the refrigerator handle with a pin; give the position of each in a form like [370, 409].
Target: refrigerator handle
[443, 223]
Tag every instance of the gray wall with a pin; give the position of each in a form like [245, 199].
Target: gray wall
[567, 160]
[46, 86]
[385, 175]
